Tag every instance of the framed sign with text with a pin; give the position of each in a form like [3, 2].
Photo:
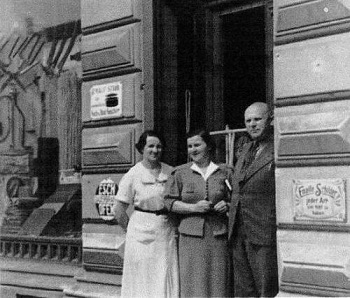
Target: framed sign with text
[106, 101]
[320, 200]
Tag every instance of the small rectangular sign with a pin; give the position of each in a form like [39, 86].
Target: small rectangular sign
[14, 164]
[319, 200]
[106, 101]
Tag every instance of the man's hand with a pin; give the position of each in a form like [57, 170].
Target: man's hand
[221, 207]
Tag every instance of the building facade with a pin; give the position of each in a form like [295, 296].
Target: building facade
[95, 79]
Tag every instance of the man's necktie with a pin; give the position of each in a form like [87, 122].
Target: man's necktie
[250, 156]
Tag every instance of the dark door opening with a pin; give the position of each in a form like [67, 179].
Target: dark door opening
[244, 63]
[214, 57]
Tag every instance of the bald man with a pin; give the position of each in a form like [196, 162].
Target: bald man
[252, 217]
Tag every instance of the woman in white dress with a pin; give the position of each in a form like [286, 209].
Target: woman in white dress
[150, 259]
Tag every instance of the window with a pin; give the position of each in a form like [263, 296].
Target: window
[40, 124]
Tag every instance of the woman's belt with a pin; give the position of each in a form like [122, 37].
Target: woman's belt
[165, 211]
[156, 212]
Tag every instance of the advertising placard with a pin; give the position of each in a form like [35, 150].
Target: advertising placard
[106, 101]
[104, 198]
[319, 200]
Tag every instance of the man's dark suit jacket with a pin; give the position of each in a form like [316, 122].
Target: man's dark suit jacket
[255, 190]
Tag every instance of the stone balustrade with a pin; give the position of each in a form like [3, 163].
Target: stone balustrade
[54, 249]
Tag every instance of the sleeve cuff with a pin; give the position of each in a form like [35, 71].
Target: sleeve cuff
[168, 204]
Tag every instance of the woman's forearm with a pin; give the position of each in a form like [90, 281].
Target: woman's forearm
[121, 215]
[185, 208]
[182, 208]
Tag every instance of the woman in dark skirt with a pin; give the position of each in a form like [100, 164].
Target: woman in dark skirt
[199, 193]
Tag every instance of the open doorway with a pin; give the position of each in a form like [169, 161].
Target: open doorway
[242, 69]
[216, 56]
[244, 63]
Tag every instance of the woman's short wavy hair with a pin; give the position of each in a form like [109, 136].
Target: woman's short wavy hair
[205, 135]
[140, 145]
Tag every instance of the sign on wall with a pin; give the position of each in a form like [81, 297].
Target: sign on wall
[104, 198]
[106, 101]
[319, 200]
[14, 164]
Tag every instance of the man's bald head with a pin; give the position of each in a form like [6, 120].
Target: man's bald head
[257, 118]
[260, 107]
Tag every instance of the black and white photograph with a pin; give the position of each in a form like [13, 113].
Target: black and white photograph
[174, 148]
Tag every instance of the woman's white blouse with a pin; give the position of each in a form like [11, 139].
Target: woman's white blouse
[140, 188]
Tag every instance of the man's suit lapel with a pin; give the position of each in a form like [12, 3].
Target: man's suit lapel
[240, 162]
[266, 156]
